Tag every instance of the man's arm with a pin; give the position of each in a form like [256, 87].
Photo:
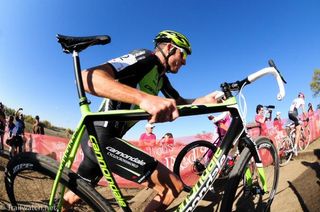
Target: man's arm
[17, 113]
[100, 81]
[210, 98]
[169, 92]
[260, 119]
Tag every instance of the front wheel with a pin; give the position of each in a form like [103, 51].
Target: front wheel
[29, 178]
[246, 190]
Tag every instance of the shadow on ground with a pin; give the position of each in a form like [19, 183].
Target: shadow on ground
[308, 193]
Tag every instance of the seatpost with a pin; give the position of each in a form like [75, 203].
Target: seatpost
[79, 82]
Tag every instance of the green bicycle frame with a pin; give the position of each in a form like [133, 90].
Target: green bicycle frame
[235, 132]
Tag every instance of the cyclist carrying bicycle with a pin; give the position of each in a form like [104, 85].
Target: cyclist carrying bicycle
[131, 81]
[222, 121]
[293, 115]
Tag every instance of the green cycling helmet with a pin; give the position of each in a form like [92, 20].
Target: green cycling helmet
[174, 37]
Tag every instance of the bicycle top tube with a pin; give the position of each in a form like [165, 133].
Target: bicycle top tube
[139, 114]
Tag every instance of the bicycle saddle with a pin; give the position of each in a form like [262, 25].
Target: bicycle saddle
[70, 43]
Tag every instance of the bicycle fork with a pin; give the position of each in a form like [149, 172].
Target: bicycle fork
[258, 162]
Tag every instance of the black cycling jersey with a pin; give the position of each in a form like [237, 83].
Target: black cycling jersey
[139, 69]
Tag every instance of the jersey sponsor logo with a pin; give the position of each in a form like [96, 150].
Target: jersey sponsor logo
[151, 82]
[125, 156]
[122, 62]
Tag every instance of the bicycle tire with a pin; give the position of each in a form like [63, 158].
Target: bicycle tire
[285, 151]
[304, 138]
[238, 196]
[191, 161]
[32, 176]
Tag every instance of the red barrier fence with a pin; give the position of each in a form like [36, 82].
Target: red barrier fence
[166, 154]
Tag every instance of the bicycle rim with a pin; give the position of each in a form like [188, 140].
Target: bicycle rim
[192, 161]
[285, 151]
[240, 195]
[29, 179]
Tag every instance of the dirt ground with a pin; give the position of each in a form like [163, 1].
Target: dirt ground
[298, 189]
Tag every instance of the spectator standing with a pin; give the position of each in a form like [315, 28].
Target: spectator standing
[148, 138]
[38, 127]
[2, 125]
[310, 110]
[167, 139]
[277, 122]
[10, 137]
[18, 131]
[261, 118]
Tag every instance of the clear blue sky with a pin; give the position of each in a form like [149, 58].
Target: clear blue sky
[230, 39]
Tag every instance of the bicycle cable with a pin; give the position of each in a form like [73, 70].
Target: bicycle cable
[243, 105]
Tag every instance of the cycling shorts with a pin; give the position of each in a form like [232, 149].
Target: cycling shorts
[293, 116]
[123, 158]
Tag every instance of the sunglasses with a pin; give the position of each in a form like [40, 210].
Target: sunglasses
[183, 52]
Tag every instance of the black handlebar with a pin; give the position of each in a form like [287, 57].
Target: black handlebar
[227, 88]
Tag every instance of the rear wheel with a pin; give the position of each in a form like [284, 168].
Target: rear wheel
[192, 161]
[242, 194]
[285, 151]
[29, 178]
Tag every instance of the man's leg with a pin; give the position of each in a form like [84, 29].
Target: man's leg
[297, 138]
[88, 170]
[70, 198]
[168, 186]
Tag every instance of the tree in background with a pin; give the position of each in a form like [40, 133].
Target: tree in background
[9, 111]
[315, 84]
[47, 124]
[68, 132]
